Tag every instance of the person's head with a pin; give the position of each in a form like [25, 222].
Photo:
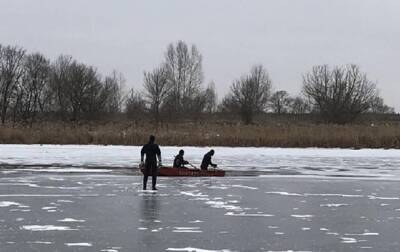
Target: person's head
[152, 139]
[212, 152]
[181, 152]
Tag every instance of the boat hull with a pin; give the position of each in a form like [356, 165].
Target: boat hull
[186, 172]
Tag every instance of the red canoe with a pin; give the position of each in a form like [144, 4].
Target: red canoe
[188, 172]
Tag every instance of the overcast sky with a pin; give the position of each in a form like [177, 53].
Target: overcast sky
[287, 36]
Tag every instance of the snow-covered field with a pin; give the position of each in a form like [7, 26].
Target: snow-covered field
[376, 163]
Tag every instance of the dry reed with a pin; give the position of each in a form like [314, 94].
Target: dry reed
[207, 134]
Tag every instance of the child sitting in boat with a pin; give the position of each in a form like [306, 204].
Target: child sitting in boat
[179, 162]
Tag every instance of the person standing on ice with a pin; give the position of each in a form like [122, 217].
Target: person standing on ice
[152, 152]
[207, 160]
[179, 162]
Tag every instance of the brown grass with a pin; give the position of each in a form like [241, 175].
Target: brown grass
[208, 134]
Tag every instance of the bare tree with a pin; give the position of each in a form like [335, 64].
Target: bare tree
[280, 102]
[11, 70]
[185, 76]
[79, 90]
[210, 96]
[229, 105]
[135, 105]
[378, 106]
[341, 94]
[31, 90]
[112, 93]
[157, 90]
[83, 90]
[59, 84]
[299, 105]
[249, 94]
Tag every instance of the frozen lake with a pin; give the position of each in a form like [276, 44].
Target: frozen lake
[108, 212]
[88, 198]
[369, 163]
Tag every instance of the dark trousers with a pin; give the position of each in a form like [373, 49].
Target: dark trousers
[150, 169]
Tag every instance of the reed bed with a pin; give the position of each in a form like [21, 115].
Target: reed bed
[207, 134]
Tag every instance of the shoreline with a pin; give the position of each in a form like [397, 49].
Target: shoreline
[207, 146]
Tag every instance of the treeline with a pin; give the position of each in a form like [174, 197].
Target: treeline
[34, 88]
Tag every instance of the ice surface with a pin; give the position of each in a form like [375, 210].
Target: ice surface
[348, 240]
[249, 214]
[187, 230]
[375, 163]
[46, 228]
[40, 242]
[302, 216]
[70, 220]
[298, 214]
[10, 203]
[79, 244]
[190, 249]
[334, 205]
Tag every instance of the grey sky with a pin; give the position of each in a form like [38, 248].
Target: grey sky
[287, 36]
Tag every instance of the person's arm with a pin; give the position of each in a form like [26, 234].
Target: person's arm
[211, 163]
[159, 159]
[142, 155]
[159, 156]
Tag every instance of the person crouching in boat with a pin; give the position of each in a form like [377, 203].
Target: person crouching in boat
[207, 160]
[179, 161]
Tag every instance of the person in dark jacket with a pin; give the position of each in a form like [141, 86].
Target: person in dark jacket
[152, 152]
[207, 160]
[179, 162]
